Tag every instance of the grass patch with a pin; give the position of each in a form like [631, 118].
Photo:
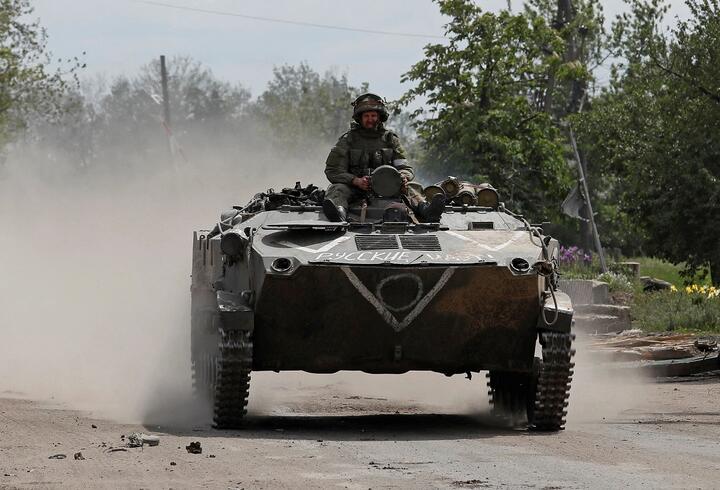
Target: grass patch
[578, 272]
[666, 311]
[659, 269]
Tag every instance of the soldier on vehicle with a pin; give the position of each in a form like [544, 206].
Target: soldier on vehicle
[365, 147]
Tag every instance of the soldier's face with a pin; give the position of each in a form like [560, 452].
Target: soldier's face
[369, 119]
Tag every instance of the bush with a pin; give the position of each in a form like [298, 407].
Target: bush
[692, 308]
[617, 282]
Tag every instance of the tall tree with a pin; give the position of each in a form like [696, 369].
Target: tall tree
[580, 23]
[118, 124]
[655, 130]
[486, 90]
[27, 85]
[304, 110]
[197, 95]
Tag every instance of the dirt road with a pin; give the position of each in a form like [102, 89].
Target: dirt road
[353, 432]
[93, 312]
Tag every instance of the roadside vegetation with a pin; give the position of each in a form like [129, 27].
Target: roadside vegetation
[29, 88]
[690, 304]
[691, 309]
[674, 274]
[576, 263]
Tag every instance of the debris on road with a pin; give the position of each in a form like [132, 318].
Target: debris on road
[78, 456]
[139, 439]
[194, 448]
[58, 456]
[706, 345]
[93, 426]
[631, 345]
[115, 449]
[658, 354]
[150, 440]
[471, 483]
[681, 367]
[134, 440]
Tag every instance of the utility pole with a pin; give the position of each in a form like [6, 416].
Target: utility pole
[165, 95]
[583, 181]
[565, 16]
[166, 107]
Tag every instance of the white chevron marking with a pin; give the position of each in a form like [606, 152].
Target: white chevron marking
[382, 309]
[516, 235]
[324, 248]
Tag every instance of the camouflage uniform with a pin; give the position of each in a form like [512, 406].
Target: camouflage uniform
[356, 154]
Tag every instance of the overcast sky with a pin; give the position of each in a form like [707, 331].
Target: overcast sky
[120, 35]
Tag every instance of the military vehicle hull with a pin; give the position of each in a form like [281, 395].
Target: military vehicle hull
[286, 290]
[381, 319]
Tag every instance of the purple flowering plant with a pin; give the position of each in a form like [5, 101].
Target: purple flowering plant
[576, 262]
[574, 255]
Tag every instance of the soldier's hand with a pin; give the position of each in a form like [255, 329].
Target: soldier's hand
[362, 182]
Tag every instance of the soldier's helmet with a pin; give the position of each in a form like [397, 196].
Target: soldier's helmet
[369, 102]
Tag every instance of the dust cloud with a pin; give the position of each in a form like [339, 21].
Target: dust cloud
[95, 301]
[600, 392]
[95, 288]
[95, 274]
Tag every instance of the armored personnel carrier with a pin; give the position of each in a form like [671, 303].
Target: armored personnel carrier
[276, 286]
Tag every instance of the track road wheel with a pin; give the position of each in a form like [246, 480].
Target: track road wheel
[233, 382]
[510, 394]
[554, 375]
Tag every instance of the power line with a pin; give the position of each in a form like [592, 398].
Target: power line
[285, 21]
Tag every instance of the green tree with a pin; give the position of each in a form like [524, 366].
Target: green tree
[655, 130]
[304, 111]
[485, 92]
[196, 94]
[119, 124]
[206, 112]
[581, 25]
[27, 86]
